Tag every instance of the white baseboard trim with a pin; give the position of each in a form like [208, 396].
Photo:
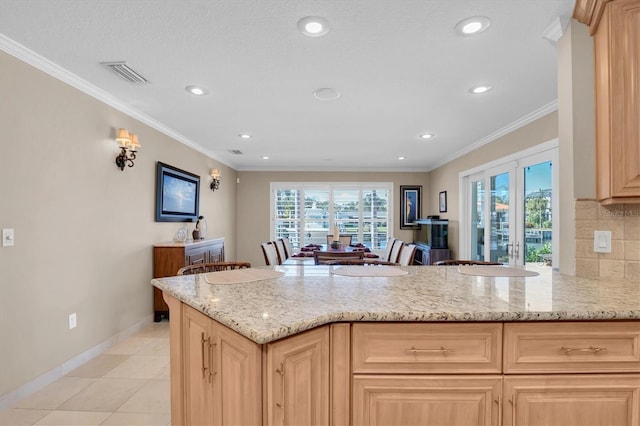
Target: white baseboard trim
[8, 399]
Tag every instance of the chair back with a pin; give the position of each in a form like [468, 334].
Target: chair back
[270, 253]
[387, 252]
[282, 251]
[200, 268]
[323, 257]
[395, 251]
[344, 239]
[466, 262]
[406, 254]
[287, 246]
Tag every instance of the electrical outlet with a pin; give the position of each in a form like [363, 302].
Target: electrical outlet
[7, 237]
[73, 321]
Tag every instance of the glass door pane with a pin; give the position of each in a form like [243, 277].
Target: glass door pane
[499, 207]
[538, 220]
[477, 219]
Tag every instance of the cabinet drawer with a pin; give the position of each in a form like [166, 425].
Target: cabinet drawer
[427, 348]
[574, 347]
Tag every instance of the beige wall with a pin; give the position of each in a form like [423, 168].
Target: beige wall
[253, 202]
[446, 177]
[83, 228]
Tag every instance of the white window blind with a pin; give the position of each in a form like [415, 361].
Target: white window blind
[307, 212]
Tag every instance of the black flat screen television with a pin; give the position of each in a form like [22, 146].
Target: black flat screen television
[177, 194]
[432, 232]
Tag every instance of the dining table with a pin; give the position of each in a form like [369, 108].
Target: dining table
[305, 255]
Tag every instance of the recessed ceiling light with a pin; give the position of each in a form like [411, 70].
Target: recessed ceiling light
[265, 157]
[244, 136]
[482, 88]
[326, 94]
[195, 90]
[426, 135]
[313, 26]
[401, 158]
[473, 25]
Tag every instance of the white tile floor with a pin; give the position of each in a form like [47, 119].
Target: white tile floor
[126, 385]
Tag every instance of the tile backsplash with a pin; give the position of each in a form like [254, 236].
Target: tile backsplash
[624, 223]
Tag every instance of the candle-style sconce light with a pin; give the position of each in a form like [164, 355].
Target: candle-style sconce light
[128, 147]
[215, 179]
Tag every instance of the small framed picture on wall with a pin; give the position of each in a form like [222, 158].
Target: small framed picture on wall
[443, 201]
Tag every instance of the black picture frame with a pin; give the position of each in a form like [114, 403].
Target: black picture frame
[177, 194]
[442, 201]
[410, 205]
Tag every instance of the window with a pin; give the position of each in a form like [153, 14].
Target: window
[307, 212]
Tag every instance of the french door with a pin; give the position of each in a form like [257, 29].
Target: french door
[507, 209]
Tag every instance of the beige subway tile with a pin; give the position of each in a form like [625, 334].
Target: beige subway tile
[632, 228]
[617, 251]
[584, 249]
[611, 268]
[585, 228]
[632, 250]
[615, 226]
[587, 268]
[632, 270]
[586, 209]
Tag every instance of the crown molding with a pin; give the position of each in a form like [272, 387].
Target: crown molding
[30, 57]
[531, 117]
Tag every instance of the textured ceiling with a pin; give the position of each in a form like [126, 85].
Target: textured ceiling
[399, 65]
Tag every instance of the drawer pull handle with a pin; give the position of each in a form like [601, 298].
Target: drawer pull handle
[441, 349]
[590, 349]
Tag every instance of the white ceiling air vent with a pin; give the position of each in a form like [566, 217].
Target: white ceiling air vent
[236, 151]
[125, 71]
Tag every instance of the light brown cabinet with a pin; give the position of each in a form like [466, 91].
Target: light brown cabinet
[615, 26]
[169, 257]
[220, 369]
[297, 377]
[539, 373]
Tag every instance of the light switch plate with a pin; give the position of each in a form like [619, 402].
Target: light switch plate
[602, 241]
[7, 237]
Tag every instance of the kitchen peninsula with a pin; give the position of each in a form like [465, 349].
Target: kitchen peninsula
[432, 346]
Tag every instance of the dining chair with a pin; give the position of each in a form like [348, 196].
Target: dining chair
[387, 252]
[323, 257]
[282, 251]
[200, 268]
[287, 246]
[466, 262]
[344, 239]
[270, 253]
[405, 258]
[395, 250]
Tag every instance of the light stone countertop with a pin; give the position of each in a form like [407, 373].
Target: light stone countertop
[310, 296]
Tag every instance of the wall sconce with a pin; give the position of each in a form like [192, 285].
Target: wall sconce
[215, 179]
[128, 148]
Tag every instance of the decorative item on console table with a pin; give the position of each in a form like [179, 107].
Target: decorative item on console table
[169, 257]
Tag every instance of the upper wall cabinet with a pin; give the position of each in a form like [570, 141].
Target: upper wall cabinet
[615, 26]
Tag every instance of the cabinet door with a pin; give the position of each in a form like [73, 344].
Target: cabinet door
[195, 255]
[237, 379]
[584, 400]
[426, 400]
[298, 379]
[198, 375]
[215, 251]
